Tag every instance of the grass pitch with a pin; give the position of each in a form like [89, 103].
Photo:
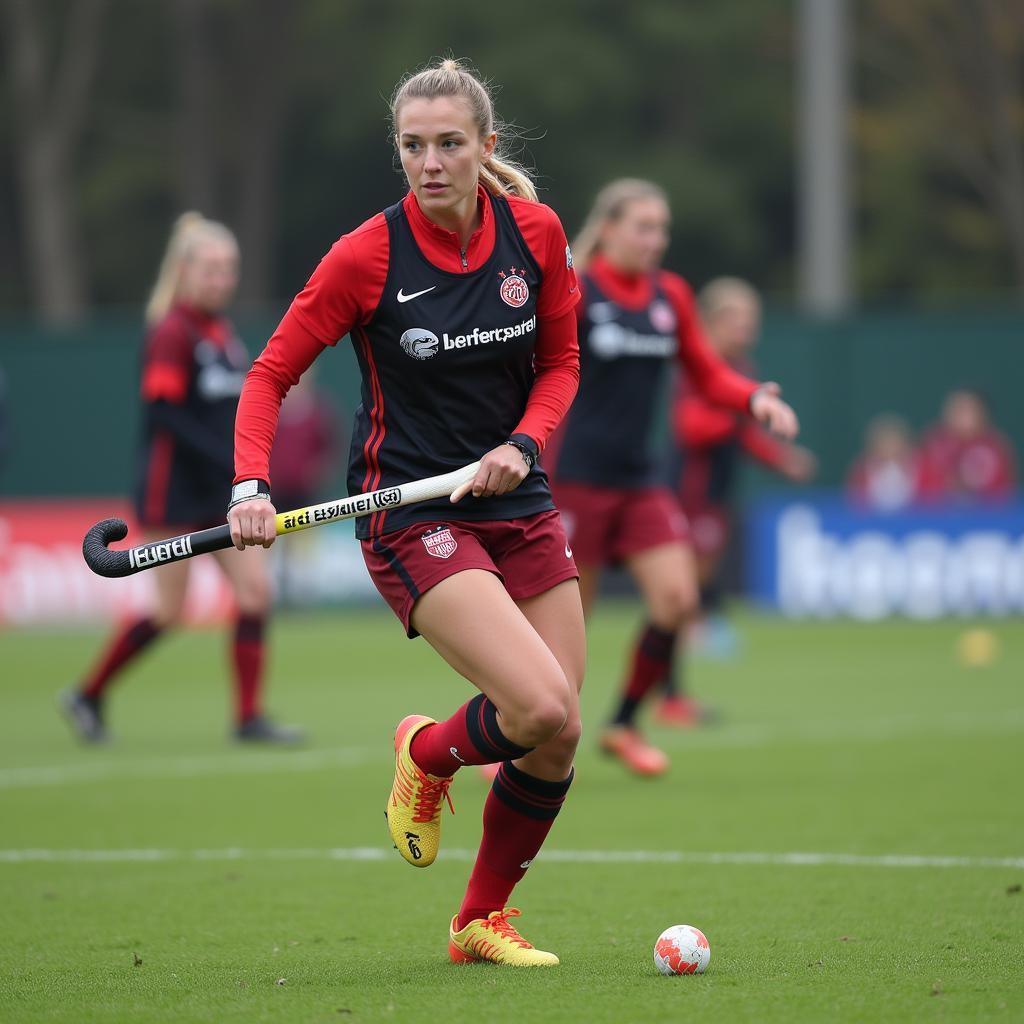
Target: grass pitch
[850, 837]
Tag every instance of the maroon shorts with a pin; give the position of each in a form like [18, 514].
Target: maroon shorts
[606, 525]
[529, 555]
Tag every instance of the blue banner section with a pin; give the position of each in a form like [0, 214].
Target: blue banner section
[820, 557]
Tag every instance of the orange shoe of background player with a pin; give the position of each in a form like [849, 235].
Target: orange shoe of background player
[679, 712]
[626, 744]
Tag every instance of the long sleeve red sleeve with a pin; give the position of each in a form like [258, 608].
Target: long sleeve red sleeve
[289, 353]
[556, 361]
[700, 423]
[709, 373]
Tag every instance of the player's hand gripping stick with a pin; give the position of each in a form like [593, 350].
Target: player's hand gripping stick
[105, 562]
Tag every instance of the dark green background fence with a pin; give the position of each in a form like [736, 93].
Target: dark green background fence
[73, 406]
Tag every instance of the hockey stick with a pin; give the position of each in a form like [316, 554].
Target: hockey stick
[104, 562]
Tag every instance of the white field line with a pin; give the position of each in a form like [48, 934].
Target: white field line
[741, 736]
[184, 767]
[624, 857]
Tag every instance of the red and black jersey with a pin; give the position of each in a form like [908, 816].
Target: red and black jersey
[632, 329]
[193, 367]
[458, 348]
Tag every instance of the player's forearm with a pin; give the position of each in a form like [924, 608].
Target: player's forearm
[557, 366]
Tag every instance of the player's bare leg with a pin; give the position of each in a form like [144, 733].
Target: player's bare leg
[248, 574]
[525, 798]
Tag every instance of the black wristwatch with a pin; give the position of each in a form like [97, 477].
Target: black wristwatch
[527, 448]
[246, 490]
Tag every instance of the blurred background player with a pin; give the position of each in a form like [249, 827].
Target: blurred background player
[193, 366]
[964, 457]
[635, 322]
[710, 441]
[488, 581]
[888, 474]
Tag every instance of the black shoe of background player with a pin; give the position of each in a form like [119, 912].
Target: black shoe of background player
[85, 715]
[260, 729]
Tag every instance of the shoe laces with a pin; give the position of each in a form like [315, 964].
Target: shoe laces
[431, 792]
[498, 922]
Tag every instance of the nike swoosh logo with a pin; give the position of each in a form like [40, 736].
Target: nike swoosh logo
[568, 551]
[402, 297]
[455, 753]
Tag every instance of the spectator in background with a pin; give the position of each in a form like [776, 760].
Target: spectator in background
[888, 474]
[193, 366]
[964, 458]
[711, 441]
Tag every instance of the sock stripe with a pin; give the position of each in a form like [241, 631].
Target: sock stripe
[489, 724]
[485, 733]
[539, 799]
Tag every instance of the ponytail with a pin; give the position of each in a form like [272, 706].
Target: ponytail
[504, 177]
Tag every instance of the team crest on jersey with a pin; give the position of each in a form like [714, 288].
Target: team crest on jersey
[514, 289]
[419, 343]
[439, 542]
[662, 317]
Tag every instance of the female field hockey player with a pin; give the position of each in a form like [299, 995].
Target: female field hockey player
[635, 321]
[193, 366]
[460, 303]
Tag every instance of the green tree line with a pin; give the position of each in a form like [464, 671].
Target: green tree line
[271, 115]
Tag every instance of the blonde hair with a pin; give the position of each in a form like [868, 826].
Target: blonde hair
[190, 230]
[723, 292]
[499, 174]
[609, 205]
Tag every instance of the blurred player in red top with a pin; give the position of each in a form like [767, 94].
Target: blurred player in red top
[964, 458]
[459, 301]
[193, 365]
[711, 440]
[635, 323]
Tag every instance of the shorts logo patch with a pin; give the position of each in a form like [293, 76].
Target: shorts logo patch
[514, 289]
[439, 542]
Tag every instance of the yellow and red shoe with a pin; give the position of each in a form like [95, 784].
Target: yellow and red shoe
[633, 750]
[495, 940]
[414, 807]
